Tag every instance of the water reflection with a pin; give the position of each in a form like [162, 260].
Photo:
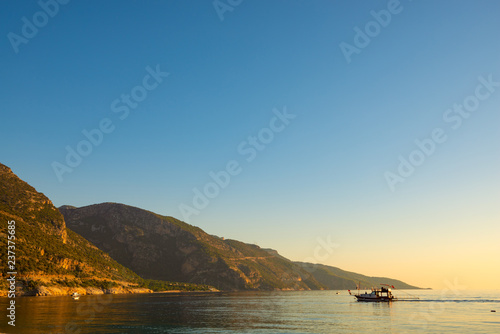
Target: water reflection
[289, 312]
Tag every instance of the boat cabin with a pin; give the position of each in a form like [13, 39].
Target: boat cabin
[377, 295]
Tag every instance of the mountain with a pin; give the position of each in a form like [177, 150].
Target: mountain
[164, 248]
[47, 254]
[337, 279]
[52, 257]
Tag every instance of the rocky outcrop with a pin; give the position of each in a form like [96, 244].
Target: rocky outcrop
[19, 200]
[43, 246]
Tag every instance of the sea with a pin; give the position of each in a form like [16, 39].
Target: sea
[436, 311]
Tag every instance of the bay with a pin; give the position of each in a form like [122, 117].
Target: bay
[437, 311]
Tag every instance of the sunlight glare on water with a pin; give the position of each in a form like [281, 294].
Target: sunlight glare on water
[259, 312]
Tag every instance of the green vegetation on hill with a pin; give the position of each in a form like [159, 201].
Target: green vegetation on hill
[159, 286]
[40, 253]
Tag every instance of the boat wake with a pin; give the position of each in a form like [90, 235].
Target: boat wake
[451, 300]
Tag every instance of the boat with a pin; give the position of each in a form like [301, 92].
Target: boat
[384, 294]
[377, 295]
[75, 296]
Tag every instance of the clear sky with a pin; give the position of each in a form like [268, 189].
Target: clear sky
[372, 126]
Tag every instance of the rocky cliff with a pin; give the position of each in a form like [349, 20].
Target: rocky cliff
[18, 200]
[44, 248]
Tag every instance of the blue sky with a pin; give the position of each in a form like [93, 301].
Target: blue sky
[323, 175]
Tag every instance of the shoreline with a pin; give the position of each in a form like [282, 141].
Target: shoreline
[50, 291]
[45, 291]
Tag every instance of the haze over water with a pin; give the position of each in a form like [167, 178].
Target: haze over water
[437, 311]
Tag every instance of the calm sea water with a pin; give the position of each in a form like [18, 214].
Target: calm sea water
[259, 312]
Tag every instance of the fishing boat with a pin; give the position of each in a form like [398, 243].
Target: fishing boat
[377, 295]
[384, 294]
[75, 296]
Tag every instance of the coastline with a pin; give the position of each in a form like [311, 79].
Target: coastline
[45, 291]
[53, 291]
